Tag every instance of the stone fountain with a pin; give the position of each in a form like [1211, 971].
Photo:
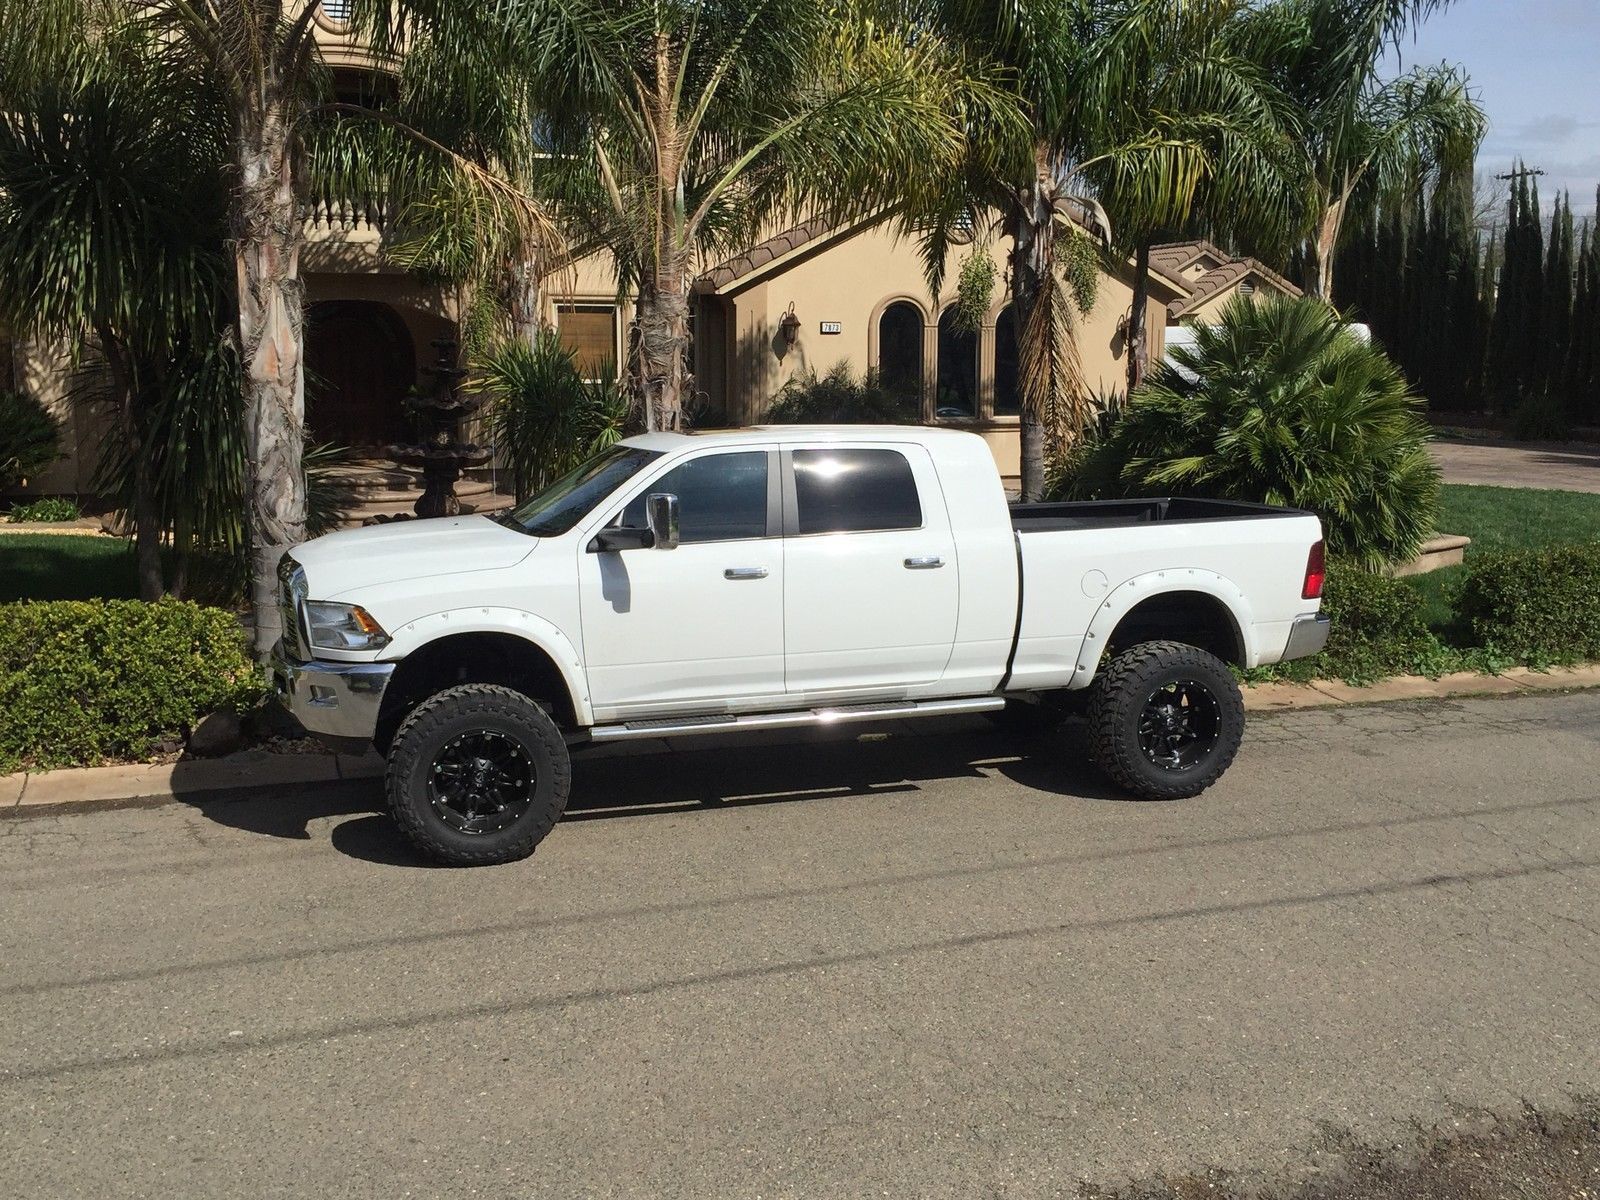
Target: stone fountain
[441, 453]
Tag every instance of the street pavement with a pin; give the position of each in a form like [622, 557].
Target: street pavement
[946, 964]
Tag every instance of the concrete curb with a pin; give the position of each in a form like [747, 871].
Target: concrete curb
[1323, 693]
[38, 793]
[237, 775]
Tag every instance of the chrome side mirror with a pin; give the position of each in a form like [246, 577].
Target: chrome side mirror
[661, 514]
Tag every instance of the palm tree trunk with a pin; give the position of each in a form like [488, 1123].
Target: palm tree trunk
[523, 284]
[1032, 261]
[144, 508]
[267, 236]
[1138, 344]
[1319, 259]
[662, 347]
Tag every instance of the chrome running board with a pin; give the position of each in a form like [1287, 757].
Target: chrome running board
[835, 714]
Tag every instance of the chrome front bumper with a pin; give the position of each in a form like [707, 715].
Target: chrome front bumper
[333, 699]
[1307, 636]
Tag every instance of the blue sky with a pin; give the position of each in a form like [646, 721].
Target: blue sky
[1533, 63]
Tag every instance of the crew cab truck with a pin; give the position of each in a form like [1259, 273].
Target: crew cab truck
[772, 577]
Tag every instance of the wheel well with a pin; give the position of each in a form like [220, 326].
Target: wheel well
[499, 658]
[1194, 618]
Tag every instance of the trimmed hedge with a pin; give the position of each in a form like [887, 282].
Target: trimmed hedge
[87, 681]
[1379, 629]
[1539, 606]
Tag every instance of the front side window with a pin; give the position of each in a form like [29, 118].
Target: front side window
[721, 498]
[853, 491]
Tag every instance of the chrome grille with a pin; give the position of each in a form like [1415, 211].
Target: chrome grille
[291, 595]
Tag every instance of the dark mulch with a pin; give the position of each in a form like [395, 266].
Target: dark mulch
[1533, 1155]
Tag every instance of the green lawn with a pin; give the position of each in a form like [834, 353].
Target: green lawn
[58, 566]
[1497, 518]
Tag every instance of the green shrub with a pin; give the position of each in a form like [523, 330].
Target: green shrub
[839, 398]
[1280, 403]
[29, 438]
[1379, 629]
[1540, 418]
[1538, 606]
[87, 681]
[50, 508]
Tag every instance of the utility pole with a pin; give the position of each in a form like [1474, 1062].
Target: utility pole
[1522, 173]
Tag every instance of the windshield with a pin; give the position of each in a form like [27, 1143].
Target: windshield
[569, 499]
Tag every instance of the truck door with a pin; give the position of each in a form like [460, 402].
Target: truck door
[702, 623]
[871, 578]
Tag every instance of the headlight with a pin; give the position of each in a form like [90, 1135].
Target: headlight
[343, 627]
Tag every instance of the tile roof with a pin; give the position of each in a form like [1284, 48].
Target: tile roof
[1226, 276]
[762, 253]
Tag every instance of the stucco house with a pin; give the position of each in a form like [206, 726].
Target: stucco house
[807, 297]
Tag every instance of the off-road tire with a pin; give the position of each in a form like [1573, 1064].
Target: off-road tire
[449, 714]
[1118, 702]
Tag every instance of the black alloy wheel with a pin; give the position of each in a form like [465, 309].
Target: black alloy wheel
[1179, 724]
[482, 781]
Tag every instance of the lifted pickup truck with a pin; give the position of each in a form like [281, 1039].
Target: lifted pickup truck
[776, 577]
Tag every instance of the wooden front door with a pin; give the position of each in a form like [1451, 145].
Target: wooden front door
[360, 362]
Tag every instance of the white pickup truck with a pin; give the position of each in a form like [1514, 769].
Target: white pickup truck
[776, 577]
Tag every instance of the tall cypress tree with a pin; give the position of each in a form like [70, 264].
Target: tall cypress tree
[1556, 302]
[1583, 353]
[1514, 349]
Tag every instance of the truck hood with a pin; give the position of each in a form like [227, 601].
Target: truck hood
[341, 564]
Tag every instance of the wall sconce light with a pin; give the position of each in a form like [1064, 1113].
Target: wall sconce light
[789, 326]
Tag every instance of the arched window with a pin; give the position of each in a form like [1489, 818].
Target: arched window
[900, 348]
[1007, 403]
[958, 370]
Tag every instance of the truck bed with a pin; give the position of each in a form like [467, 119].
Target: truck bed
[1112, 514]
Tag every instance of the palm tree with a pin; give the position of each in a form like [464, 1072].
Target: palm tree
[1280, 403]
[1362, 136]
[681, 131]
[111, 214]
[263, 62]
[1216, 83]
[1081, 70]
[452, 151]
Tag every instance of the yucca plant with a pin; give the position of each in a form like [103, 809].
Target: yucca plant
[1280, 403]
[547, 417]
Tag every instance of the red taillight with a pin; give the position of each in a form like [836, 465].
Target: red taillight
[1316, 572]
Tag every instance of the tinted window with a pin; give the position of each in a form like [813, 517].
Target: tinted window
[721, 497]
[566, 501]
[840, 491]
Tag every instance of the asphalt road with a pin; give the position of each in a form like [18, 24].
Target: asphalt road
[942, 965]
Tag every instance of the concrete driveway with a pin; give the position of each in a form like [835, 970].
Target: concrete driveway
[1565, 466]
[920, 966]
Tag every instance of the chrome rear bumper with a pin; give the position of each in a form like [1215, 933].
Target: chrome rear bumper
[333, 699]
[1307, 636]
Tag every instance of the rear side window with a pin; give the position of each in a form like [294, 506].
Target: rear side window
[852, 491]
[721, 497]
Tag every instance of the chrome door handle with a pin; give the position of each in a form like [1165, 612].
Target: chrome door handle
[745, 573]
[925, 562]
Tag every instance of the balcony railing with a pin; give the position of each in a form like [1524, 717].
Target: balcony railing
[331, 214]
